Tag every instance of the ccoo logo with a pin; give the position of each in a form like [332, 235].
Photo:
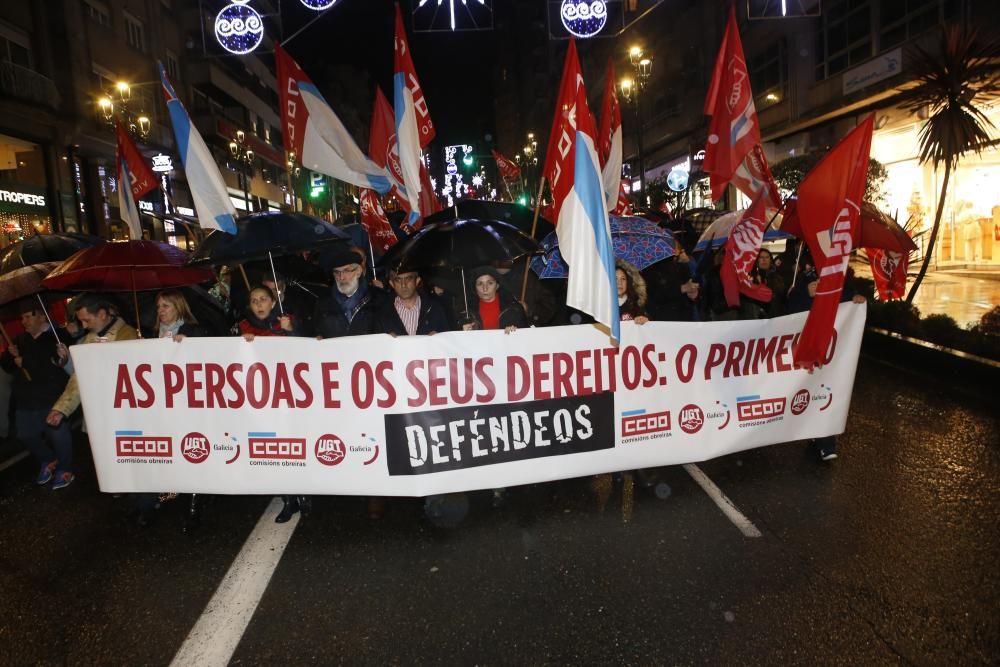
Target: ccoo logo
[330, 450]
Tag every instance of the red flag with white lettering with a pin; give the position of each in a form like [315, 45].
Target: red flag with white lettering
[742, 248]
[829, 210]
[404, 64]
[382, 146]
[623, 206]
[559, 155]
[508, 169]
[733, 129]
[143, 179]
[375, 222]
[889, 271]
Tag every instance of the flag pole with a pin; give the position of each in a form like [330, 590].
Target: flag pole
[274, 274]
[534, 228]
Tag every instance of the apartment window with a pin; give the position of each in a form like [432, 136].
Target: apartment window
[172, 68]
[97, 12]
[769, 74]
[902, 20]
[103, 79]
[844, 38]
[134, 32]
[15, 48]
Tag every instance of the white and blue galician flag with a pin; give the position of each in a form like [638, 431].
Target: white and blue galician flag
[407, 127]
[574, 173]
[312, 131]
[126, 202]
[211, 199]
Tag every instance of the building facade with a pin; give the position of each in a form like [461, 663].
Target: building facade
[70, 68]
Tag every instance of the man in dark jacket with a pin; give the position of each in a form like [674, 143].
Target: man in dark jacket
[349, 308]
[412, 311]
[39, 380]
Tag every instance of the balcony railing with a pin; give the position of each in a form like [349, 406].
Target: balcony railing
[28, 85]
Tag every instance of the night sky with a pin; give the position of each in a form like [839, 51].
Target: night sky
[455, 69]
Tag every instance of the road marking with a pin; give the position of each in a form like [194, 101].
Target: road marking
[214, 638]
[724, 503]
[12, 460]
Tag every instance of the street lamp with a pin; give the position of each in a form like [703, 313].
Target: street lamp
[139, 126]
[642, 68]
[243, 156]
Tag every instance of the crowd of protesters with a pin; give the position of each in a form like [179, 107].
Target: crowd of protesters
[358, 302]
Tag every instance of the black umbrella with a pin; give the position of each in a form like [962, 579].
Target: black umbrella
[513, 214]
[462, 243]
[44, 248]
[264, 236]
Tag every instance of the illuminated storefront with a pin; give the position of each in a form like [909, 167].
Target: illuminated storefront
[24, 201]
[970, 225]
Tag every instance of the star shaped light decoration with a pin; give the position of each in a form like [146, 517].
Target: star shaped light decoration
[452, 15]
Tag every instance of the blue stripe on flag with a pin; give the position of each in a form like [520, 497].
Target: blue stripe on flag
[590, 190]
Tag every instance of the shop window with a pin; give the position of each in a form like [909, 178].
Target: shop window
[135, 32]
[844, 38]
[97, 12]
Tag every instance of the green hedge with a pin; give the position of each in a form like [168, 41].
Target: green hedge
[982, 339]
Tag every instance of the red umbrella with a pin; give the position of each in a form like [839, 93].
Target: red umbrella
[132, 266]
[878, 230]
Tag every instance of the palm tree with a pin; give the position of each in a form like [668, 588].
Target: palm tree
[950, 84]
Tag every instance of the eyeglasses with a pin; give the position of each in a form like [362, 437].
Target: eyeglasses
[346, 272]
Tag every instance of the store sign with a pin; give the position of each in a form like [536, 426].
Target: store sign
[23, 198]
[184, 210]
[873, 71]
[146, 206]
[162, 163]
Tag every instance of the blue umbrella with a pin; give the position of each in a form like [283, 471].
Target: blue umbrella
[638, 241]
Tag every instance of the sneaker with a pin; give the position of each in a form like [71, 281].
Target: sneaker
[827, 456]
[45, 474]
[63, 480]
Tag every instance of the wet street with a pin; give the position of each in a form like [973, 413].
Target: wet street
[887, 555]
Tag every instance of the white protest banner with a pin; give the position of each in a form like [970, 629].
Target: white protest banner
[419, 415]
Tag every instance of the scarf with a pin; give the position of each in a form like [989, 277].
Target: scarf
[349, 304]
[171, 329]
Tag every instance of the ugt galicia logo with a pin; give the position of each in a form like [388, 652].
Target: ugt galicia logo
[691, 418]
[800, 401]
[195, 447]
[330, 450]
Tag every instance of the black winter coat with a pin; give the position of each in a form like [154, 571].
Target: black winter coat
[330, 321]
[47, 380]
[432, 317]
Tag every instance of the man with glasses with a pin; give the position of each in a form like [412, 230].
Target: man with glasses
[413, 311]
[350, 306]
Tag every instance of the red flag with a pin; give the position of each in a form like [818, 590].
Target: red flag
[829, 208]
[733, 130]
[382, 146]
[560, 154]
[144, 180]
[404, 63]
[429, 202]
[889, 270]
[623, 206]
[742, 248]
[754, 175]
[294, 114]
[507, 168]
[611, 116]
[375, 222]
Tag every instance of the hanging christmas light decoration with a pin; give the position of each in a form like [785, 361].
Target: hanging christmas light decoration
[239, 29]
[319, 5]
[584, 18]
